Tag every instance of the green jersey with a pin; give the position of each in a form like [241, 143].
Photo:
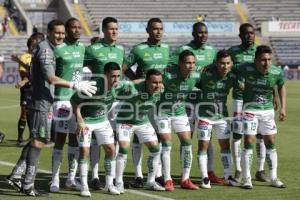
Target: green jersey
[177, 89]
[101, 53]
[258, 88]
[205, 55]
[135, 109]
[69, 64]
[214, 92]
[240, 55]
[148, 56]
[94, 109]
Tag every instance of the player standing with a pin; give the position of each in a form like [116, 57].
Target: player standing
[152, 54]
[259, 79]
[69, 64]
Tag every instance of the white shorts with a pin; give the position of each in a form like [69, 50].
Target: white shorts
[145, 132]
[259, 121]
[112, 113]
[205, 127]
[65, 121]
[102, 131]
[190, 111]
[177, 123]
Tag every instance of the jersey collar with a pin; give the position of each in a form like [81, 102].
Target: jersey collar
[153, 45]
[251, 49]
[194, 46]
[106, 44]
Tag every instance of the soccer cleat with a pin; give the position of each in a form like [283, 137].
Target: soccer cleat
[54, 187]
[205, 183]
[261, 176]
[138, 183]
[120, 188]
[238, 176]
[277, 183]
[14, 182]
[247, 183]
[160, 180]
[154, 186]
[111, 189]
[232, 182]
[72, 185]
[95, 184]
[34, 192]
[214, 179]
[84, 192]
[188, 184]
[169, 185]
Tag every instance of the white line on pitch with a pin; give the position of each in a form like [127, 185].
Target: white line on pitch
[8, 107]
[130, 191]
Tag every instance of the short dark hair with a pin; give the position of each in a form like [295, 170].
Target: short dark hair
[184, 54]
[222, 54]
[244, 26]
[152, 20]
[198, 24]
[35, 36]
[262, 49]
[151, 72]
[38, 36]
[108, 67]
[53, 23]
[108, 20]
[68, 23]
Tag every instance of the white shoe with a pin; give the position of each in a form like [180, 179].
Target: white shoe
[205, 183]
[73, 185]
[54, 187]
[111, 189]
[247, 183]
[277, 183]
[85, 192]
[120, 187]
[154, 186]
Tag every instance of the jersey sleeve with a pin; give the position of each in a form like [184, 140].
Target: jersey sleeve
[88, 56]
[174, 56]
[281, 79]
[131, 58]
[47, 62]
[26, 60]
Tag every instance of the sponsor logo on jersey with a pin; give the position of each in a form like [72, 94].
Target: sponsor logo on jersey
[261, 82]
[112, 56]
[247, 58]
[183, 86]
[76, 54]
[157, 56]
[200, 57]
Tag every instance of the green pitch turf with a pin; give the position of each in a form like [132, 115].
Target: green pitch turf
[287, 147]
